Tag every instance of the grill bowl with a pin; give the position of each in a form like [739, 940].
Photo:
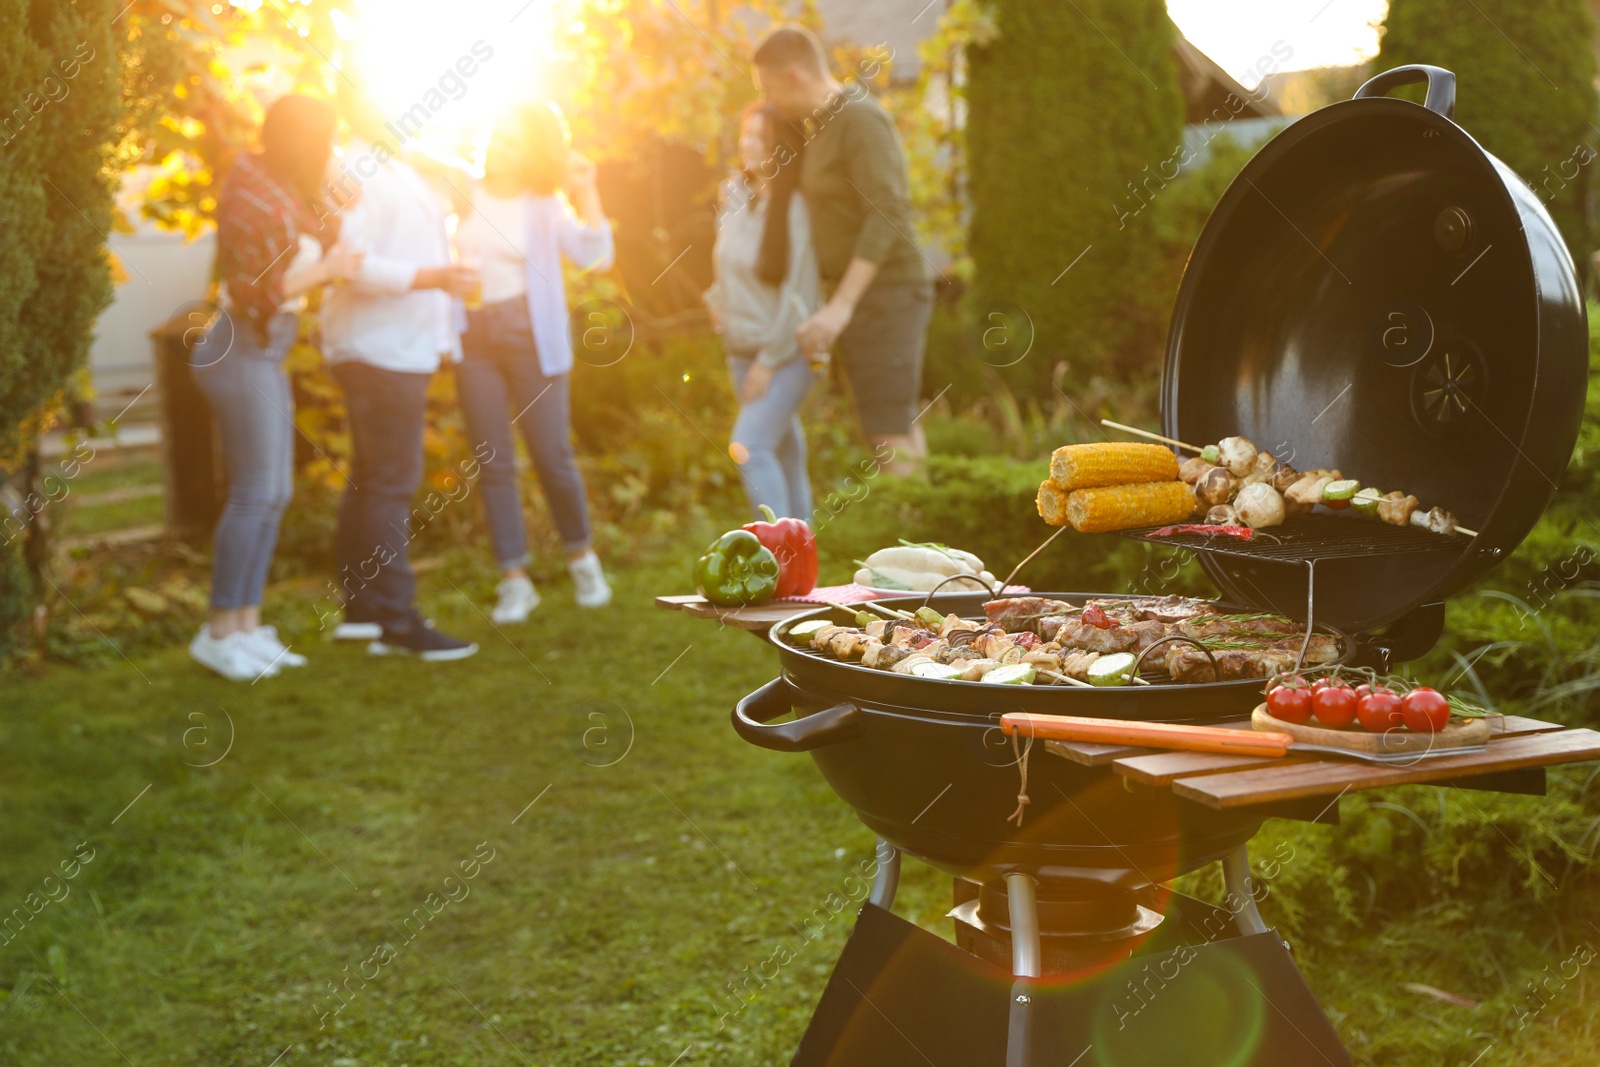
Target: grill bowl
[925, 765]
[1166, 702]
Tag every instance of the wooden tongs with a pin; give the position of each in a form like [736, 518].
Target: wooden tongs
[1243, 742]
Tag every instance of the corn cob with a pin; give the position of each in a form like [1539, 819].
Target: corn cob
[1123, 507]
[1052, 504]
[1111, 463]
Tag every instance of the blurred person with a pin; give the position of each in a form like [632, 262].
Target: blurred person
[765, 285]
[537, 202]
[857, 190]
[272, 248]
[384, 335]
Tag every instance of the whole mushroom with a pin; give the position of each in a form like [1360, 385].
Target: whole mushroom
[1216, 486]
[1192, 468]
[1259, 505]
[1237, 454]
[1222, 515]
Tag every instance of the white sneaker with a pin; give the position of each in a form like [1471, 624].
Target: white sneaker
[265, 640]
[235, 657]
[517, 600]
[593, 591]
[357, 631]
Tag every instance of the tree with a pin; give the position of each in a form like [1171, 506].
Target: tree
[1525, 89]
[60, 85]
[1075, 121]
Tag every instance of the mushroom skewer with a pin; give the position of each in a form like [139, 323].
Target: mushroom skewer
[1220, 483]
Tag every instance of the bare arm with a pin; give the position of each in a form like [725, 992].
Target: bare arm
[339, 262]
[822, 329]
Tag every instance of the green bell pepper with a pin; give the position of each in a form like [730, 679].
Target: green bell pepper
[737, 569]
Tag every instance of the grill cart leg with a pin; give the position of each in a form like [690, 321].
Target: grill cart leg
[1022, 904]
[887, 880]
[1236, 875]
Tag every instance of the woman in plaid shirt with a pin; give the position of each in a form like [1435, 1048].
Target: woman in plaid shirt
[274, 244]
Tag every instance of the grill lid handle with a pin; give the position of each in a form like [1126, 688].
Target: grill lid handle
[1441, 98]
[842, 722]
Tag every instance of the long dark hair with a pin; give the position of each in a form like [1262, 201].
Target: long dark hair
[536, 139]
[296, 141]
[783, 160]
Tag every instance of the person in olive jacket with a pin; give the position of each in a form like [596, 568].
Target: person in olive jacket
[854, 179]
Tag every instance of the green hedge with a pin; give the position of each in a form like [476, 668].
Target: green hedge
[60, 91]
[1525, 89]
[986, 506]
[1073, 110]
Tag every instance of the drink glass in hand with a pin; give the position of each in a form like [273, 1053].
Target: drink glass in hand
[473, 294]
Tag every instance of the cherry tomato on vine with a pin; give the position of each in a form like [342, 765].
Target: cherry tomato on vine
[1425, 710]
[1379, 711]
[1290, 703]
[1334, 706]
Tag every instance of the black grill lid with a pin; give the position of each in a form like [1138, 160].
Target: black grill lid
[1377, 294]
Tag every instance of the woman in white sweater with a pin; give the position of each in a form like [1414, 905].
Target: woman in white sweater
[766, 284]
[537, 203]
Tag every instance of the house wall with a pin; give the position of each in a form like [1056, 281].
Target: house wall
[164, 272]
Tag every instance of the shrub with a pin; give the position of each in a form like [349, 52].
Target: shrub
[986, 506]
[1071, 107]
[59, 85]
[1526, 89]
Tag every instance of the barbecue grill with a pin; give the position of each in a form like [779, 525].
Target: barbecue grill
[1374, 292]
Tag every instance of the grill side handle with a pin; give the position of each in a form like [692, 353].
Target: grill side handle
[842, 722]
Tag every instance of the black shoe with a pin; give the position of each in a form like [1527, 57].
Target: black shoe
[424, 642]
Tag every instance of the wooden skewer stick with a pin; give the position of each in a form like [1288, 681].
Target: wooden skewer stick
[1065, 678]
[1464, 530]
[1027, 559]
[892, 613]
[1152, 436]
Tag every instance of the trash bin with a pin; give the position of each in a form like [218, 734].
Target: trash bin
[195, 488]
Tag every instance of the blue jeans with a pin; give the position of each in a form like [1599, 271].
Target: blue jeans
[387, 410]
[248, 393]
[501, 388]
[771, 440]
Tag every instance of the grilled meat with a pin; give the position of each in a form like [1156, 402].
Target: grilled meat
[1396, 508]
[1171, 608]
[1133, 637]
[1225, 627]
[1018, 613]
[1186, 663]
[884, 657]
[1244, 646]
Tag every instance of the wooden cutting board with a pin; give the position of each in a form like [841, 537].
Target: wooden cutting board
[1473, 733]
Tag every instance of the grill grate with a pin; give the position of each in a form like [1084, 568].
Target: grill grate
[1308, 538]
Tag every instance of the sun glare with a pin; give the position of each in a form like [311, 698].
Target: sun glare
[1317, 33]
[441, 71]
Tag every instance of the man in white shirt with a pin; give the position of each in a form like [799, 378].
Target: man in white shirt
[384, 335]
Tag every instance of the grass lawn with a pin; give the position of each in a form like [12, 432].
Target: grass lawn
[221, 905]
[282, 870]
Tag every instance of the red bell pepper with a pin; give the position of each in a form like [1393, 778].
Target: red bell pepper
[792, 542]
[1093, 616]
